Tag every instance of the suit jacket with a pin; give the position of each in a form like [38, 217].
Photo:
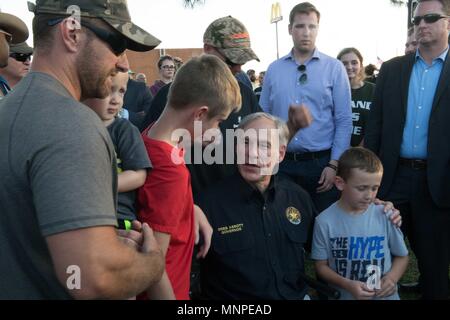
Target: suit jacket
[137, 101]
[387, 120]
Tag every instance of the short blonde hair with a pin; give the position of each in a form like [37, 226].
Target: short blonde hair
[205, 80]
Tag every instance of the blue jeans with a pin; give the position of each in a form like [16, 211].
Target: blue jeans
[307, 173]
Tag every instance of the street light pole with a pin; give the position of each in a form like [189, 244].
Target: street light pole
[275, 17]
[276, 30]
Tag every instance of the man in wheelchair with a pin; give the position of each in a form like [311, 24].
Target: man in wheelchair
[262, 223]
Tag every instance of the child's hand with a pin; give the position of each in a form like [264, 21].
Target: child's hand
[132, 238]
[388, 287]
[360, 291]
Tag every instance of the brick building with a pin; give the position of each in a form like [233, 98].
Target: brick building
[146, 62]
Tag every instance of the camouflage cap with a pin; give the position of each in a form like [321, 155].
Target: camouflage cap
[230, 37]
[22, 47]
[113, 12]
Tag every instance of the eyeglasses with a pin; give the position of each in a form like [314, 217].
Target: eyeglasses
[304, 77]
[8, 36]
[428, 18]
[116, 41]
[22, 57]
[168, 67]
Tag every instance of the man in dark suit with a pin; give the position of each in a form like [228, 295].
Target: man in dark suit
[137, 101]
[409, 129]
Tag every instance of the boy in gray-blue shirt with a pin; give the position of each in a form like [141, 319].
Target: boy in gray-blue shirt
[356, 248]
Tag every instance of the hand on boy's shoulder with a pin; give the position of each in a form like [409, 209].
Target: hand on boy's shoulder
[389, 210]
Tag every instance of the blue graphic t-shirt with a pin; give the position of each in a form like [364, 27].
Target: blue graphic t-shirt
[356, 244]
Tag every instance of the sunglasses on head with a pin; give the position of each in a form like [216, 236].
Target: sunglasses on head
[116, 41]
[8, 36]
[304, 77]
[428, 18]
[22, 57]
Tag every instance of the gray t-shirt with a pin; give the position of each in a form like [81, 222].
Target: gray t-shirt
[57, 174]
[351, 243]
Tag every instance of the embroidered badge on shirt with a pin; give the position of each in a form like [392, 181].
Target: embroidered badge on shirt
[293, 215]
[231, 229]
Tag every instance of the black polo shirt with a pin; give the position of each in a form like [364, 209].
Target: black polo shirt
[257, 245]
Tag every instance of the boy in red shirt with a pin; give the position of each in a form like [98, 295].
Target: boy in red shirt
[204, 91]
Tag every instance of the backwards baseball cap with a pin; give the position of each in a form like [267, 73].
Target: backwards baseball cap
[230, 37]
[21, 48]
[113, 12]
[13, 25]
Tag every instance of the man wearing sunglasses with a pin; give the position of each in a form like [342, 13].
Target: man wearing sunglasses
[307, 78]
[18, 63]
[12, 31]
[59, 186]
[409, 129]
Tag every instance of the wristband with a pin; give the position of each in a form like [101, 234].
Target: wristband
[332, 166]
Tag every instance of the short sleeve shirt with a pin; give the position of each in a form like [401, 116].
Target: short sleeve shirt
[58, 174]
[361, 103]
[131, 155]
[165, 202]
[354, 244]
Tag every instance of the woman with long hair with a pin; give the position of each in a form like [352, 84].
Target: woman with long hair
[362, 92]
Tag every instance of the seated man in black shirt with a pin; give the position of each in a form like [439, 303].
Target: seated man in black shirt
[261, 221]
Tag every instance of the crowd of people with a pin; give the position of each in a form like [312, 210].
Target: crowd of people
[108, 191]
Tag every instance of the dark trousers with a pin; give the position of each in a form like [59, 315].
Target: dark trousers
[307, 173]
[427, 228]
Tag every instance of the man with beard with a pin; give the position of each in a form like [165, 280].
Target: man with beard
[59, 187]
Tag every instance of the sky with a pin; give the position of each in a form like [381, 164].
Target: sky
[375, 27]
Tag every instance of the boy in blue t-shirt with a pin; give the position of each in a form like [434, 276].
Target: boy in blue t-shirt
[356, 248]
